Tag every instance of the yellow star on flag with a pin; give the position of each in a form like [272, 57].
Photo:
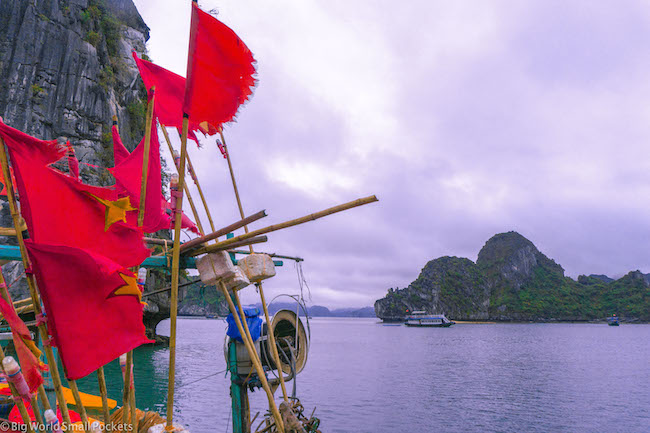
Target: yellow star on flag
[131, 287]
[115, 210]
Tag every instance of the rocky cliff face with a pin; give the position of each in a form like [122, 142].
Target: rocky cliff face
[513, 280]
[448, 285]
[65, 69]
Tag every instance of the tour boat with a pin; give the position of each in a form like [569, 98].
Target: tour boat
[422, 318]
[613, 321]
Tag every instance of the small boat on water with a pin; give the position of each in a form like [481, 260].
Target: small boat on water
[422, 318]
[612, 321]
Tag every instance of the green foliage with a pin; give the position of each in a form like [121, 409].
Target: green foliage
[106, 77]
[112, 32]
[137, 111]
[84, 16]
[93, 38]
[37, 90]
[43, 17]
[94, 12]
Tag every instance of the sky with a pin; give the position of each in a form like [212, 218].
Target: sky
[465, 118]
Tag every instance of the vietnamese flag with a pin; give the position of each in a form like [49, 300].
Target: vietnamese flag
[43, 151]
[128, 176]
[61, 210]
[28, 353]
[92, 305]
[220, 71]
[170, 90]
[119, 152]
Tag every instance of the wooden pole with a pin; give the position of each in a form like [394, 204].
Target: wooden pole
[186, 189]
[197, 242]
[31, 284]
[126, 394]
[104, 393]
[176, 255]
[252, 354]
[129, 390]
[77, 400]
[291, 223]
[274, 350]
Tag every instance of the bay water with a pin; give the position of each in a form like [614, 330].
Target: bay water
[364, 376]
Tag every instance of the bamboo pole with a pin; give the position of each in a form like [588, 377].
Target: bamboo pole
[104, 393]
[198, 187]
[126, 392]
[291, 223]
[78, 403]
[129, 390]
[274, 350]
[145, 156]
[176, 255]
[197, 242]
[252, 353]
[31, 283]
[190, 200]
[244, 243]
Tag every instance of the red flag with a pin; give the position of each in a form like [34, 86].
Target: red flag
[27, 352]
[77, 215]
[220, 71]
[124, 176]
[120, 153]
[73, 163]
[92, 304]
[186, 222]
[170, 88]
[43, 151]
[128, 175]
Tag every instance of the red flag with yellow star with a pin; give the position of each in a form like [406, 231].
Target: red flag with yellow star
[128, 177]
[92, 305]
[60, 210]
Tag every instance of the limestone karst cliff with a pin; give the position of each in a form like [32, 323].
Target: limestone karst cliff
[65, 70]
[513, 280]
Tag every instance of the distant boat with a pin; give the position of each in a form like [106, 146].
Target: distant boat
[612, 321]
[422, 318]
[210, 316]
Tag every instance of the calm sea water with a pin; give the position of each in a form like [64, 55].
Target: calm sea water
[363, 376]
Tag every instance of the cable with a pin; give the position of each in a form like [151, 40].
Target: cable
[203, 378]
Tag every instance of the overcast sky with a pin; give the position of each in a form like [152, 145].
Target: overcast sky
[465, 118]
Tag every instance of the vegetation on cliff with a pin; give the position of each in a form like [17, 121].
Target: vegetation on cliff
[513, 280]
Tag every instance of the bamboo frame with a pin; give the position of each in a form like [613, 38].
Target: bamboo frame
[31, 284]
[176, 255]
[196, 243]
[271, 336]
[286, 224]
[186, 189]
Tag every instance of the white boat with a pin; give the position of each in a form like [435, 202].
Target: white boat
[422, 318]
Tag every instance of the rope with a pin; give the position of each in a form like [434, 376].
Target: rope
[202, 378]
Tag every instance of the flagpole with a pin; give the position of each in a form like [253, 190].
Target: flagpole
[274, 349]
[77, 400]
[129, 390]
[186, 189]
[104, 393]
[175, 271]
[198, 187]
[31, 284]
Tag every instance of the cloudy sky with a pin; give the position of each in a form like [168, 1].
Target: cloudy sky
[465, 118]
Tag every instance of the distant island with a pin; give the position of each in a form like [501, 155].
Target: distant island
[513, 281]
